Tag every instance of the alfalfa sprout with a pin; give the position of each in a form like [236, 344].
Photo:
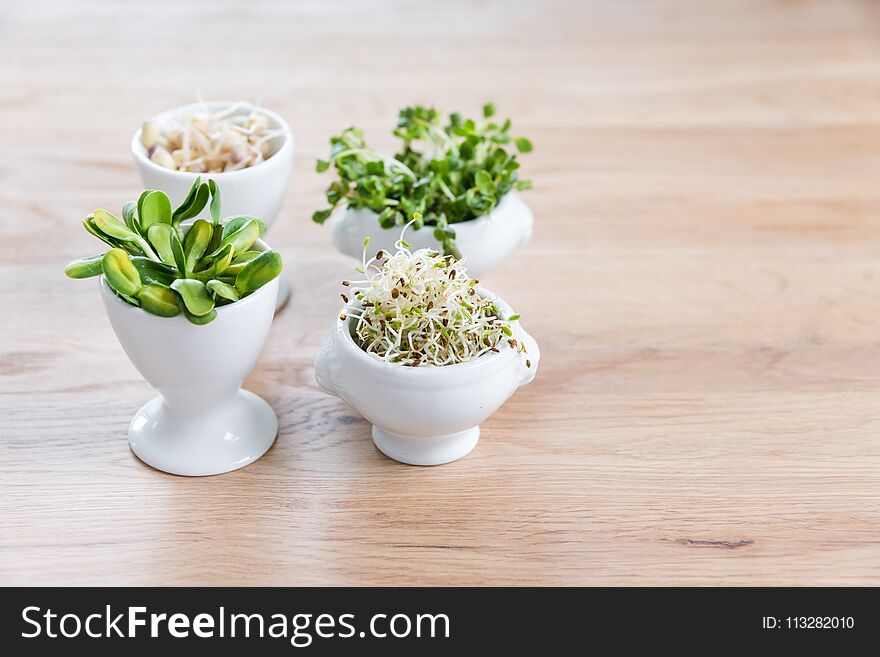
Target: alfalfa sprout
[420, 308]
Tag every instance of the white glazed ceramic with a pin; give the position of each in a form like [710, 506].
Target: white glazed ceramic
[483, 241]
[256, 191]
[424, 415]
[202, 422]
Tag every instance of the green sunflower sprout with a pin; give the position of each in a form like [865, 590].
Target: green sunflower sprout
[156, 264]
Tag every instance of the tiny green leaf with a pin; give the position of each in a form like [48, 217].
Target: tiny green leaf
[321, 216]
[523, 145]
[195, 296]
[322, 165]
[488, 110]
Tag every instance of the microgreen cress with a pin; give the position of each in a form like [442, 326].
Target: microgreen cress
[155, 264]
[447, 172]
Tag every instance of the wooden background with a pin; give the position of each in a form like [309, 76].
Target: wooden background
[703, 280]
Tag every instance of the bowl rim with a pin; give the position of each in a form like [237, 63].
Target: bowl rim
[108, 292]
[139, 152]
[378, 365]
[340, 212]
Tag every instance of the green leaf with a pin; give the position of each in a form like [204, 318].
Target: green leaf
[223, 290]
[523, 145]
[193, 209]
[195, 296]
[159, 236]
[129, 216]
[120, 273]
[215, 200]
[258, 272]
[241, 239]
[110, 225]
[140, 207]
[188, 199]
[196, 242]
[238, 263]
[224, 259]
[158, 300]
[232, 224]
[85, 267]
[200, 319]
[154, 272]
[488, 110]
[321, 216]
[322, 165]
[177, 254]
[155, 209]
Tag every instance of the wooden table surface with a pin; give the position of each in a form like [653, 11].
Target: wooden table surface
[704, 281]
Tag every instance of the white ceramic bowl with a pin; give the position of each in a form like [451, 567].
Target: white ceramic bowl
[483, 241]
[257, 191]
[424, 415]
[202, 422]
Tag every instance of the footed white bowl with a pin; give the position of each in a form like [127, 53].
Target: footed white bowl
[424, 415]
[202, 422]
[483, 241]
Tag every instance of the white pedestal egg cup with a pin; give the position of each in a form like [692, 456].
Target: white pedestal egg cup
[202, 422]
[256, 191]
[484, 241]
[424, 415]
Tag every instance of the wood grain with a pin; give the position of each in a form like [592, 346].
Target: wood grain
[704, 281]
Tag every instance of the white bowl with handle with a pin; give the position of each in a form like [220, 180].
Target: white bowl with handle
[257, 190]
[484, 241]
[202, 422]
[424, 415]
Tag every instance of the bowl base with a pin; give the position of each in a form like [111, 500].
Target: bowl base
[426, 450]
[222, 441]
